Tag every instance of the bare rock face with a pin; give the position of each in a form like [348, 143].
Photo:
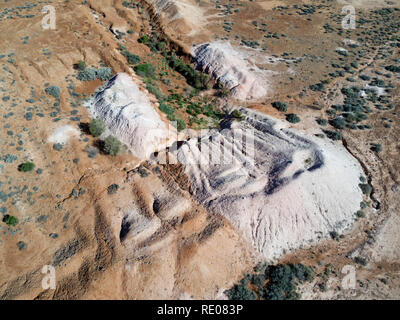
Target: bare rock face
[283, 191]
[130, 116]
[228, 66]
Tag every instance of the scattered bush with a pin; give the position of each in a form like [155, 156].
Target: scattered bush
[322, 122]
[393, 68]
[365, 188]
[361, 261]
[333, 135]
[376, 147]
[130, 57]
[91, 74]
[292, 118]
[145, 70]
[26, 166]
[360, 214]
[104, 74]
[97, 127]
[80, 65]
[180, 124]
[53, 91]
[338, 123]
[112, 188]
[112, 146]
[10, 220]
[57, 146]
[195, 78]
[281, 106]
[237, 114]
[271, 283]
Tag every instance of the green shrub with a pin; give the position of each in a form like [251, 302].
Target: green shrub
[365, 188]
[281, 106]
[338, 123]
[57, 146]
[26, 167]
[155, 90]
[292, 118]
[322, 122]
[241, 291]
[53, 91]
[361, 261]
[180, 124]
[237, 114]
[272, 282]
[393, 68]
[91, 74]
[81, 65]
[143, 39]
[104, 74]
[97, 127]
[130, 57]
[360, 214]
[376, 147]
[145, 70]
[10, 220]
[333, 135]
[167, 109]
[195, 78]
[112, 146]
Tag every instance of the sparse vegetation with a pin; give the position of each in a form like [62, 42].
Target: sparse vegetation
[281, 106]
[97, 127]
[10, 220]
[53, 91]
[365, 188]
[292, 118]
[112, 146]
[80, 65]
[272, 283]
[26, 167]
[91, 74]
[145, 70]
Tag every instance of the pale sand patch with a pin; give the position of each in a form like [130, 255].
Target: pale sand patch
[269, 5]
[63, 134]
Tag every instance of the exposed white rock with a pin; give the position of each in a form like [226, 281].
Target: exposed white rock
[287, 190]
[340, 49]
[231, 68]
[350, 43]
[375, 89]
[62, 134]
[130, 116]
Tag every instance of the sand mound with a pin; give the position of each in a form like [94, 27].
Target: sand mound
[130, 116]
[286, 190]
[230, 67]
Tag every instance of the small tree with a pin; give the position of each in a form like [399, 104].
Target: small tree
[10, 220]
[81, 65]
[97, 127]
[112, 146]
[26, 166]
[292, 118]
[281, 106]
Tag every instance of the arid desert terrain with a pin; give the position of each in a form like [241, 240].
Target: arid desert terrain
[200, 149]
